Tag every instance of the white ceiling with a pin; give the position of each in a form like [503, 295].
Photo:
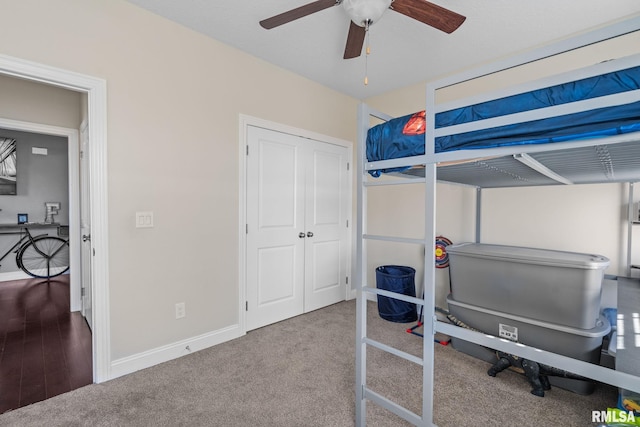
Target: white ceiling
[403, 51]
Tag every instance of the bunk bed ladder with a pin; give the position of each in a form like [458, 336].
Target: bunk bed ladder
[364, 291]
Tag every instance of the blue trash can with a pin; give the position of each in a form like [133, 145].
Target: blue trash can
[399, 279]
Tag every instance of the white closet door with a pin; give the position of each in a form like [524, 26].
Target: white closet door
[326, 225]
[297, 238]
[275, 217]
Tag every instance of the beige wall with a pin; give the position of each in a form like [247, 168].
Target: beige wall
[33, 102]
[580, 218]
[174, 98]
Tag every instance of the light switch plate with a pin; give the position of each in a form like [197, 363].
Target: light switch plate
[144, 219]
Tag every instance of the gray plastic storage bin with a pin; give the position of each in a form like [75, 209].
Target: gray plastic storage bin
[558, 287]
[581, 344]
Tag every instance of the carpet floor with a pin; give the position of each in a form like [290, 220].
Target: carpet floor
[301, 372]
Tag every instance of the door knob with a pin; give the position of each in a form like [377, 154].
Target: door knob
[309, 234]
[301, 235]
[86, 237]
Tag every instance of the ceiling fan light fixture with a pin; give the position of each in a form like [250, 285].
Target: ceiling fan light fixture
[363, 12]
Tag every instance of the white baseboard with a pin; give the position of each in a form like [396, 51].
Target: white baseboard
[353, 294]
[17, 275]
[136, 362]
[14, 275]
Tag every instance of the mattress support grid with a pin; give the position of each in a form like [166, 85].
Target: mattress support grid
[539, 167]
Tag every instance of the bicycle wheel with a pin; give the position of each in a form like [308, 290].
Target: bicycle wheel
[44, 257]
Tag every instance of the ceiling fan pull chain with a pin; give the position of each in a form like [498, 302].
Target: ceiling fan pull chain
[367, 52]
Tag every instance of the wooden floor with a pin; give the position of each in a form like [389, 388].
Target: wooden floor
[44, 349]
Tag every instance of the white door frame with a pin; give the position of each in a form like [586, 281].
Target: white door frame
[96, 90]
[245, 121]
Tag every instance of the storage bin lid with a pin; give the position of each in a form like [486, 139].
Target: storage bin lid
[529, 255]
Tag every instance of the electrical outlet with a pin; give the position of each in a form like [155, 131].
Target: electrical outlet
[181, 310]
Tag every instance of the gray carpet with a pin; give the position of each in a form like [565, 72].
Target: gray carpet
[300, 372]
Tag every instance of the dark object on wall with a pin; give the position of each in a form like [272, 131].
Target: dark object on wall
[401, 280]
[7, 166]
[442, 257]
[23, 218]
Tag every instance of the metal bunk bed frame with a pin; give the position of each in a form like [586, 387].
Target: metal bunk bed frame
[430, 161]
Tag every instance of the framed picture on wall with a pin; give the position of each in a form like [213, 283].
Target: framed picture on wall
[23, 218]
[7, 166]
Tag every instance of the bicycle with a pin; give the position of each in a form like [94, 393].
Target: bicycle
[42, 256]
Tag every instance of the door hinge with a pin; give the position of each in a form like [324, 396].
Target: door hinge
[247, 150]
[246, 229]
[347, 165]
[347, 280]
[246, 306]
[94, 251]
[82, 292]
[347, 223]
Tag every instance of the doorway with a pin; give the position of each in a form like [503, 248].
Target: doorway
[95, 89]
[31, 134]
[46, 341]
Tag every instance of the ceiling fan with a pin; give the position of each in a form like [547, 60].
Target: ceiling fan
[363, 13]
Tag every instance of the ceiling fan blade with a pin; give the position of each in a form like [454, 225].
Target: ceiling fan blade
[430, 14]
[355, 41]
[297, 13]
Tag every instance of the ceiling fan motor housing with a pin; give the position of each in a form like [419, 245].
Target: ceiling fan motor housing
[365, 12]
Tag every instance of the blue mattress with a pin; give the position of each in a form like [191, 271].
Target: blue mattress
[404, 136]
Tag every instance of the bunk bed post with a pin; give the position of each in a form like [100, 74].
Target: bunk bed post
[429, 294]
[630, 214]
[478, 212]
[429, 285]
[360, 271]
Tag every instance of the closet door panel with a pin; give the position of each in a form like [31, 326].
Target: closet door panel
[275, 206]
[325, 221]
